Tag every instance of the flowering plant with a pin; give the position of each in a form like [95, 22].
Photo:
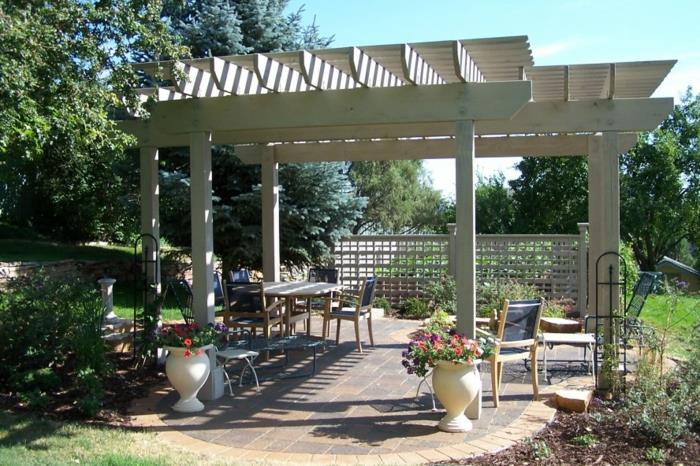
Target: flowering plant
[192, 336]
[433, 346]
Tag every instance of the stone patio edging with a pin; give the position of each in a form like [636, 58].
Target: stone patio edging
[533, 419]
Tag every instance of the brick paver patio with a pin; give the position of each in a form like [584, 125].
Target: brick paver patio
[357, 405]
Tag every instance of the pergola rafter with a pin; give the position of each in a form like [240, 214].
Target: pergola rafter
[461, 99]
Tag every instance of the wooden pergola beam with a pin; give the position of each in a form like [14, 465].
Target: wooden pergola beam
[278, 77]
[196, 81]
[628, 115]
[415, 149]
[322, 75]
[405, 104]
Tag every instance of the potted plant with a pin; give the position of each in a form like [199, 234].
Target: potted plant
[187, 365]
[454, 360]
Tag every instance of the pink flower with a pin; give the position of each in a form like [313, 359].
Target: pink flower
[188, 342]
[188, 353]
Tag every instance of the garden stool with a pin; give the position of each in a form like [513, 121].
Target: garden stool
[234, 354]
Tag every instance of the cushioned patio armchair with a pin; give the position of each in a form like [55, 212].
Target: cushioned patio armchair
[354, 308]
[516, 340]
[246, 307]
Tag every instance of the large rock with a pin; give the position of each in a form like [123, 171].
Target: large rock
[559, 325]
[576, 401]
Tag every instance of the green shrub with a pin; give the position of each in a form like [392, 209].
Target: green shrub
[585, 440]
[382, 303]
[439, 321]
[50, 330]
[415, 308]
[443, 294]
[656, 406]
[540, 449]
[655, 455]
[490, 295]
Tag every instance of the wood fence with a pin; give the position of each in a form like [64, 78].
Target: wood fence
[404, 264]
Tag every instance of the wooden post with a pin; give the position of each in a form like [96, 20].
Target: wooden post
[465, 250]
[150, 206]
[202, 228]
[270, 218]
[582, 272]
[604, 220]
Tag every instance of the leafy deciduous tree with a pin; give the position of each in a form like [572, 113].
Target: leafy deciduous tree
[400, 197]
[660, 186]
[550, 195]
[64, 64]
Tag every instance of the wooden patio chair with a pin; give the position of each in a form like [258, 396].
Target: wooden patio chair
[246, 307]
[353, 308]
[517, 339]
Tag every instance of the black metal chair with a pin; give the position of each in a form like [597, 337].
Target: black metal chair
[632, 326]
[247, 308]
[318, 274]
[517, 339]
[353, 308]
[239, 276]
[182, 293]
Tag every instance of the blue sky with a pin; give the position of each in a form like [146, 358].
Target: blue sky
[560, 32]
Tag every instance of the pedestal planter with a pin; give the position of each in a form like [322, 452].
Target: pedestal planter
[456, 385]
[187, 376]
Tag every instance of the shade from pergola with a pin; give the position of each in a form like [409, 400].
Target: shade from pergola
[459, 99]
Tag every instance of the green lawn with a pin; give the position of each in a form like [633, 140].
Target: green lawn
[26, 440]
[124, 303]
[677, 314]
[28, 250]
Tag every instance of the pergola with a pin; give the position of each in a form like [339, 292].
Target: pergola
[456, 99]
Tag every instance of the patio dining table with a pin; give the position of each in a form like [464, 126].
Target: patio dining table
[291, 291]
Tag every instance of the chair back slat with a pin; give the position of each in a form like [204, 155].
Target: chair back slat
[183, 298]
[239, 276]
[522, 319]
[218, 290]
[368, 291]
[645, 285]
[245, 297]
[317, 274]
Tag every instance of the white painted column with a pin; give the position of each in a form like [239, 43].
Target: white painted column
[465, 251]
[150, 205]
[270, 218]
[202, 228]
[604, 223]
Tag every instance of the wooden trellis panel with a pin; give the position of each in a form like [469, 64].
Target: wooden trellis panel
[404, 264]
[548, 262]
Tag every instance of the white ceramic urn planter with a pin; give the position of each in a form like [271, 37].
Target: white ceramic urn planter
[457, 386]
[187, 376]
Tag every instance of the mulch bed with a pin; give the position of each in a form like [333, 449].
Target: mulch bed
[120, 388]
[617, 444]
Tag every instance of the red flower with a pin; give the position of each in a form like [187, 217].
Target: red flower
[458, 350]
[188, 353]
[188, 342]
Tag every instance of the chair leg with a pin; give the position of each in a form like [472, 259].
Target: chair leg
[228, 379]
[369, 327]
[358, 344]
[255, 375]
[337, 332]
[500, 375]
[494, 382]
[533, 374]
